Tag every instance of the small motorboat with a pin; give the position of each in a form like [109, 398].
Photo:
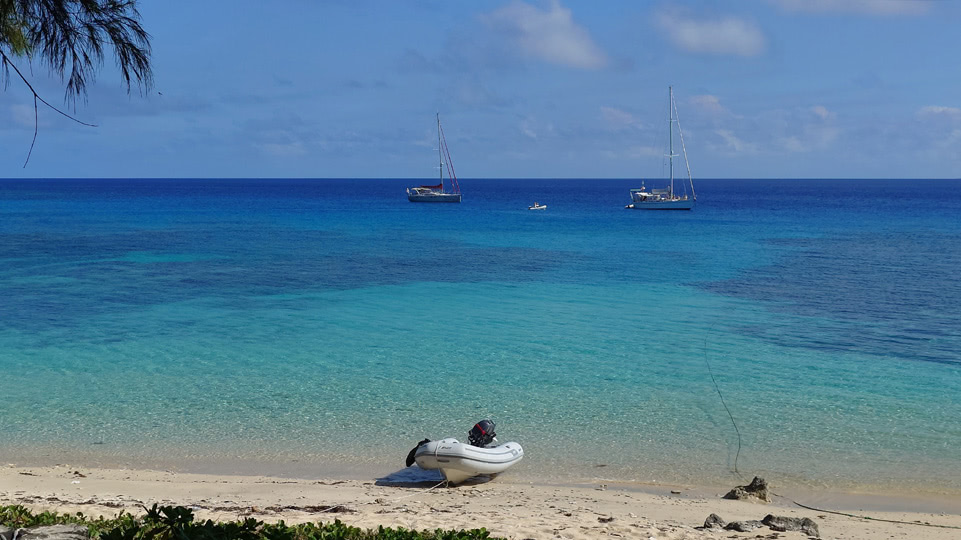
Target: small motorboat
[537, 206]
[458, 461]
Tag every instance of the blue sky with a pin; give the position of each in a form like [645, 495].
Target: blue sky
[534, 88]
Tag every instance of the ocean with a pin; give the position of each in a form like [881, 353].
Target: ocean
[322, 327]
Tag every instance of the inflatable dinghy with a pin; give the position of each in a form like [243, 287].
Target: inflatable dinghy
[459, 461]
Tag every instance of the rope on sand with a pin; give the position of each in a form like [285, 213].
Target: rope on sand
[441, 483]
[868, 518]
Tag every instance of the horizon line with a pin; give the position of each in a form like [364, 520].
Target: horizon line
[421, 178]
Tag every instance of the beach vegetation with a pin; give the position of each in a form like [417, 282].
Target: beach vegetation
[13, 32]
[71, 37]
[179, 523]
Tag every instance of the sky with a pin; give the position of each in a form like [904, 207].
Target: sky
[524, 89]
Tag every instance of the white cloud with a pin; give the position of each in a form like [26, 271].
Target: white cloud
[709, 104]
[937, 110]
[617, 118]
[806, 130]
[863, 7]
[734, 144]
[26, 116]
[475, 94]
[550, 35]
[644, 151]
[794, 144]
[823, 113]
[727, 35]
[23, 115]
[527, 129]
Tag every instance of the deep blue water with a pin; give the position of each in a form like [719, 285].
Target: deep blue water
[310, 326]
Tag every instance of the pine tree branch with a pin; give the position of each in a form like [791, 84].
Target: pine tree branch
[36, 97]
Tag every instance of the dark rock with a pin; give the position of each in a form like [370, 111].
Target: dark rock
[55, 532]
[6, 533]
[810, 528]
[757, 489]
[743, 526]
[714, 520]
[784, 524]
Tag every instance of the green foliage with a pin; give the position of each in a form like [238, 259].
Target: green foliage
[19, 516]
[70, 36]
[178, 523]
[13, 32]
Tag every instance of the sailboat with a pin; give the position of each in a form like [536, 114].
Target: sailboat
[667, 198]
[438, 193]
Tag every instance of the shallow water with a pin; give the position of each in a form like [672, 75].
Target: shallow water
[328, 324]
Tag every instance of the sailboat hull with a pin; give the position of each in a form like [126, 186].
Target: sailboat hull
[662, 205]
[434, 197]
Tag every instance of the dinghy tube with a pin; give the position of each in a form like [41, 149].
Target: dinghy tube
[458, 461]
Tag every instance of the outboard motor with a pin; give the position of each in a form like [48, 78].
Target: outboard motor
[410, 455]
[482, 434]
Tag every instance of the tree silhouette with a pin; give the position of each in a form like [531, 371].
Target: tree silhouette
[70, 37]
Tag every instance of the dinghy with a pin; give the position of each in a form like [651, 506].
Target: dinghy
[459, 461]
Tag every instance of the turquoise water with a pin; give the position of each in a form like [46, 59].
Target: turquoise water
[316, 327]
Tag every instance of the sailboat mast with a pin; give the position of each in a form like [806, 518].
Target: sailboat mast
[440, 155]
[670, 134]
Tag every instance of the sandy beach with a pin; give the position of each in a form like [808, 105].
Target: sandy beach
[505, 507]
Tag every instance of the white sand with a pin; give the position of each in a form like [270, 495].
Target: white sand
[508, 509]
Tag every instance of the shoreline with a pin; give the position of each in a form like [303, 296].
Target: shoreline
[889, 495]
[892, 490]
[506, 506]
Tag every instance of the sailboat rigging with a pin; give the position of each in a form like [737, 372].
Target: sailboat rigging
[438, 193]
[666, 198]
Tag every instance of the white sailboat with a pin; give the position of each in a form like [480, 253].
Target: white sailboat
[667, 198]
[438, 193]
